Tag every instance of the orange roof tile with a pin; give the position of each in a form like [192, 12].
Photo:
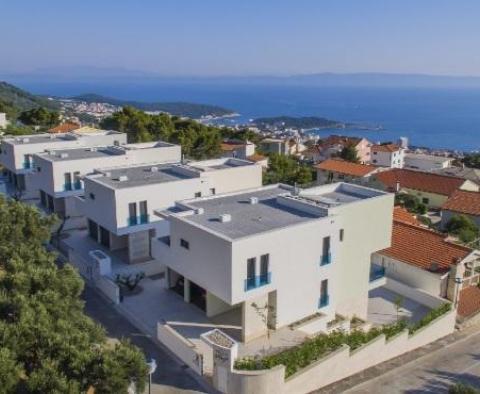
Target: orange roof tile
[346, 167]
[469, 301]
[400, 214]
[64, 128]
[464, 202]
[385, 148]
[421, 247]
[417, 180]
[340, 140]
[256, 157]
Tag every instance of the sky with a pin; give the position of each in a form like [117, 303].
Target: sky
[242, 37]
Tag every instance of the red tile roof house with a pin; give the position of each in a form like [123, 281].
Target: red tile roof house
[422, 258]
[334, 144]
[462, 202]
[432, 189]
[337, 170]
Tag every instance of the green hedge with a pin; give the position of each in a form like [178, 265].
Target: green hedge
[301, 356]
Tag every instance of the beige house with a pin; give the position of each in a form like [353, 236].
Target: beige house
[432, 189]
[337, 170]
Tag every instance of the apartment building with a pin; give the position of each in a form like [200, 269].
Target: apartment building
[60, 172]
[275, 253]
[16, 154]
[388, 155]
[119, 202]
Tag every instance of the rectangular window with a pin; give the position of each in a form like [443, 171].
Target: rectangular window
[143, 212]
[264, 262]
[250, 282]
[92, 196]
[132, 213]
[212, 191]
[341, 234]
[198, 194]
[425, 200]
[76, 180]
[326, 258]
[68, 181]
[184, 244]
[324, 298]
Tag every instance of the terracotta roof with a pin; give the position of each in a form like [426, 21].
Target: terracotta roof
[230, 146]
[464, 202]
[340, 140]
[345, 167]
[400, 214]
[256, 157]
[64, 128]
[385, 148]
[421, 247]
[417, 180]
[469, 301]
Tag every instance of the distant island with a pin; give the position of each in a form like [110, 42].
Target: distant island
[306, 122]
[190, 110]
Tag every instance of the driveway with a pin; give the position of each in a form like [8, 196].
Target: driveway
[171, 376]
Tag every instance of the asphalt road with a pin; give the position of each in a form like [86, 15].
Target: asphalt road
[171, 376]
[432, 373]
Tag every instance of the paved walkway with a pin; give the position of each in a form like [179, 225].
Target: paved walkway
[430, 369]
[171, 376]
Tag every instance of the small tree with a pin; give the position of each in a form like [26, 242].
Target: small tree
[457, 223]
[349, 153]
[398, 301]
[264, 312]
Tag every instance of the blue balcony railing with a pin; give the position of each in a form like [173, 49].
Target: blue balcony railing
[324, 301]
[326, 259]
[376, 272]
[67, 187]
[142, 219]
[27, 165]
[258, 281]
[77, 185]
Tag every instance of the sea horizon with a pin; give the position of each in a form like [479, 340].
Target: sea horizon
[438, 118]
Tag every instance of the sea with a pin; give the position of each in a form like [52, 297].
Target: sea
[438, 118]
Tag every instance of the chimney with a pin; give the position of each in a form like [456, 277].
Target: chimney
[225, 218]
[253, 200]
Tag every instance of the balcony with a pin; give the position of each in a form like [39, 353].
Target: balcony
[376, 272]
[326, 259]
[27, 165]
[135, 220]
[68, 187]
[324, 301]
[258, 281]
[77, 185]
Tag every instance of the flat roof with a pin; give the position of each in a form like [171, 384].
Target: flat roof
[125, 177]
[53, 138]
[277, 207]
[247, 219]
[76, 154]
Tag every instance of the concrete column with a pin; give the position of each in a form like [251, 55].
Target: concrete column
[186, 290]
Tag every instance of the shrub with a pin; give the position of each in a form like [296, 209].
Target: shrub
[299, 357]
[466, 235]
[461, 388]
[457, 223]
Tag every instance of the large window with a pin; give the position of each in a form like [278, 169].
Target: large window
[93, 230]
[68, 181]
[251, 273]
[143, 212]
[132, 213]
[326, 258]
[264, 262]
[324, 298]
[43, 198]
[76, 179]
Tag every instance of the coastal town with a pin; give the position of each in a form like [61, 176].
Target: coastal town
[257, 277]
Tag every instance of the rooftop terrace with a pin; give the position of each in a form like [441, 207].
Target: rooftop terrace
[53, 138]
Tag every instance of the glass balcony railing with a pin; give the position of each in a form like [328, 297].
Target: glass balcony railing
[142, 219]
[258, 281]
[77, 185]
[68, 187]
[324, 301]
[326, 259]
[27, 165]
[376, 272]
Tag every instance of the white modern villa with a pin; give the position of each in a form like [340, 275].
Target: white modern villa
[119, 202]
[60, 173]
[16, 154]
[293, 254]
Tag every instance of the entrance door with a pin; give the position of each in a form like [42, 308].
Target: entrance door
[198, 296]
[104, 237]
